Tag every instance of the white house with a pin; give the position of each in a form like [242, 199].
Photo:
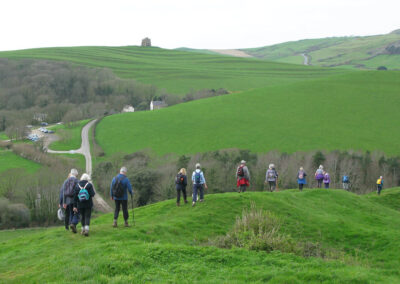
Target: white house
[128, 108]
[157, 105]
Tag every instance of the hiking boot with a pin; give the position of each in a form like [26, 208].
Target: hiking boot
[115, 224]
[186, 201]
[193, 204]
[83, 232]
[86, 234]
[73, 228]
[126, 224]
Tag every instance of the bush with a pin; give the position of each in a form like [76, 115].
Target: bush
[13, 215]
[382, 68]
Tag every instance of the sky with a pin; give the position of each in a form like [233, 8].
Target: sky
[206, 24]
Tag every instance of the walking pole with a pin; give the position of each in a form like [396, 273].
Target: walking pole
[133, 215]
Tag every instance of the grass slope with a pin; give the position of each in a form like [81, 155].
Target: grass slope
[357, 111]
[368, 51]
[9, 160]
[167, 243]
[178, 71]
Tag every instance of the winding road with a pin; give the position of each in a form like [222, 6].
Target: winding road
[99, 203]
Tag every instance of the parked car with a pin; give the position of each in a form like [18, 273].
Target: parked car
[44, 124]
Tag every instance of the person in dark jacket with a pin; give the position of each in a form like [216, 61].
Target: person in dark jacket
[67, 200]
[122, 200]
[180, 184]
[83, 202]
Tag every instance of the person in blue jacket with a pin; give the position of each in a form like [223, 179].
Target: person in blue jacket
[119, 188]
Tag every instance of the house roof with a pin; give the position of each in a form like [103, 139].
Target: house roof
[159, 103]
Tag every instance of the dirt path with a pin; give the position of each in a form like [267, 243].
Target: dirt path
[232, 52]
[305, 56]
[100, 204]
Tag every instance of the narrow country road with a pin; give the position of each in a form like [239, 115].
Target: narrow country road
[305, 56]
[99, 202]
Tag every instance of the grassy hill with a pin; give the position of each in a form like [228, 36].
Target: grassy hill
[355, 111]
[364, 52]
[9, 160]
[178, 71]
[169, 243]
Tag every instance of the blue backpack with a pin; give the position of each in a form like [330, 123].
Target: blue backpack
[197, 177]
[83, 194]
[345, 179]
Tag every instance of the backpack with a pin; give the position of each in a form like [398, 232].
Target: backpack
[240, 172]
[301, 175]
[83, 194]
[118, 189]
[197, 177]
[180, 179]
[69, 187]
[379, 181]
[271, 174]
[345, 179]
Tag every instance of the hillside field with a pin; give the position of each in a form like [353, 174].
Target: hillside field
[9, 160]
[357, 111]
[178, 71]
[355, 51]
[169, 243]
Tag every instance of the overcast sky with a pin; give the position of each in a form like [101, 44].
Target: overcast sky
[196, 24]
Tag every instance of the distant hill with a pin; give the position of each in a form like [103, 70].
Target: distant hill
[170, 244]
[358, 52]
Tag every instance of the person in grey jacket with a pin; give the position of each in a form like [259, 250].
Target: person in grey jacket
[271, 177]
[242, 176]
[67, 200]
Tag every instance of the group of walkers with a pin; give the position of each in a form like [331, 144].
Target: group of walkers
[76, 198]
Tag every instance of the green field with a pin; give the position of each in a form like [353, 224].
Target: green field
[70, 137]
[178, 71]
[357, 111]
[365, 52]
[169, 243]
[9, 160]
[3, 136]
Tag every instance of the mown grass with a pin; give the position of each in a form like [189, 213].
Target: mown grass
[346, 112]
[70, 136]
[9, 160]
[178, 71]
[167, 244]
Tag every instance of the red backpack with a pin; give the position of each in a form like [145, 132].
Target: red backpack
[240, 172]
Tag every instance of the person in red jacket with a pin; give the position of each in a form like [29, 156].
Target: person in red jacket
[242, 176]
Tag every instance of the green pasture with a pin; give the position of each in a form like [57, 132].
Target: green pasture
[9, 160]
[346, 112]
[169, 243]
[3, 136]
[178, 71]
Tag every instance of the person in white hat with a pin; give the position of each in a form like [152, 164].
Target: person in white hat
[242, 176]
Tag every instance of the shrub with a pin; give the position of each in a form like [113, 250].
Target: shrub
[13, 215]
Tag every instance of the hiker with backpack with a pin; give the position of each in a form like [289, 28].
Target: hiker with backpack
[319, 176]
[379, 185]
[271, 177]
[301, 178]
[119, 188]
[180, 185]
[199, 184]
[327, 180]
[242, 176]
[345, 182]
[67, 192]
[83, 202]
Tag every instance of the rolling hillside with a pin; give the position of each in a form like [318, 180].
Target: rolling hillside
[356, 111]
[361, 52]
[169, 243]
[178, 71]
